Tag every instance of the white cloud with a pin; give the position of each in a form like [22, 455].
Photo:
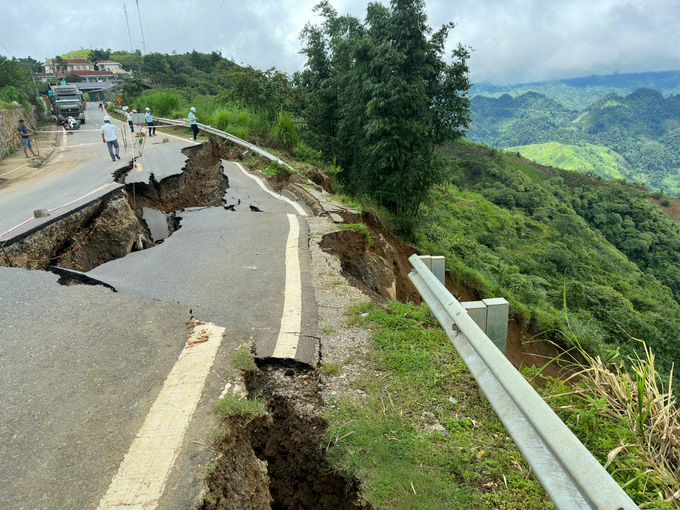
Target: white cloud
[513, 40]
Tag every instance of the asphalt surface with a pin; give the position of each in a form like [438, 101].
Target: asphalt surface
[227, 266]
[81, 366]
[93, 171]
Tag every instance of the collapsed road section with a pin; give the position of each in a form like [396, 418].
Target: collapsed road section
[121, 221]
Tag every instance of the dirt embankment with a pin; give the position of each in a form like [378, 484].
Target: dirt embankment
[275, 461]
[202, 183]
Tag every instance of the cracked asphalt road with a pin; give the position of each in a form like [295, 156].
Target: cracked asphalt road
[80, 366]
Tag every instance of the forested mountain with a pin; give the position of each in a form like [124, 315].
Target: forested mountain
[545, 238]
[577, 93]
[634, 137]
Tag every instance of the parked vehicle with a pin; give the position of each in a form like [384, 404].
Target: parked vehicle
[70, 124]
[68, 101]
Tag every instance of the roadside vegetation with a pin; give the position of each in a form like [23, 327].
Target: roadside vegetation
[424, 437]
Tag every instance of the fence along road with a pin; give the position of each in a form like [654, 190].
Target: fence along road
[570, 475]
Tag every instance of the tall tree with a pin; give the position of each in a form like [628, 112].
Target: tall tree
[386, 98]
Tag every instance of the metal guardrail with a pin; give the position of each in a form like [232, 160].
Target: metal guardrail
[570, 475]
[231, 138]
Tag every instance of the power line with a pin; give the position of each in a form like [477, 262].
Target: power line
[140, 27]
[210, 27]
[243, 34]
[127, 22]
[185, 18]
[179, 15]
[7, 50]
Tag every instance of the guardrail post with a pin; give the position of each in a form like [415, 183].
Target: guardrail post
[497, 313]
[436, 264]
[477, 312]
[439, 268]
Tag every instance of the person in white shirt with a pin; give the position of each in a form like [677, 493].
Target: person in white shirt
[109, 137]
[128, 117]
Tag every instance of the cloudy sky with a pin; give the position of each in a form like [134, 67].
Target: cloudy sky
[514, 41]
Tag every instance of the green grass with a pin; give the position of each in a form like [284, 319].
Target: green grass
[245, 408]
[384, 441]
[359, 227]
[593, 159]
[242, 359]
[330, 369]
[264, 128]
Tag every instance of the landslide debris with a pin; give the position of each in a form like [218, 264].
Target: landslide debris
[277, 461]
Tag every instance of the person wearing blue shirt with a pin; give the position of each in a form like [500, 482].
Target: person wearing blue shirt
[193, 122]
[149, 122]
[26, 138]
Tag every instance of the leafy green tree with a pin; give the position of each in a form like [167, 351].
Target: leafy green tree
[132, 87]
[72, 78]
[98, 54]
[12, 73]
[388, 99]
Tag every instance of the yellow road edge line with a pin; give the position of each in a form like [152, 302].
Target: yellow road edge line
[140, 480]
[295, 205]
[291, 320]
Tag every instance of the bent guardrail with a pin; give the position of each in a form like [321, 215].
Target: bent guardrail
[231, 138]
[570, 475]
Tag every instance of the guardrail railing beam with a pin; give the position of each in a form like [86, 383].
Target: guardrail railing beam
[570, 475]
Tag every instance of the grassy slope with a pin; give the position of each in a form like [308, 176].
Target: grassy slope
[589, 158]
[418, 380]
[508, 228]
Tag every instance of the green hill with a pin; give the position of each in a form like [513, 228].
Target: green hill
[637, 134]
[539, 235]
[590, 159]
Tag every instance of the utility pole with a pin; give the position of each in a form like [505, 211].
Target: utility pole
[127, 22]
[30, 68]
[140, 27]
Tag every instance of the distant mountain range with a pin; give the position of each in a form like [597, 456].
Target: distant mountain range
[577, 93]
[635, 135]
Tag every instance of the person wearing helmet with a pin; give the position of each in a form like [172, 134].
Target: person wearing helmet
[149, 122]
[109, 138]
[193, 122]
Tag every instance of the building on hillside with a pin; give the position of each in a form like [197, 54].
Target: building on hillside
[68, 65]
[85, 76]
[109, 65]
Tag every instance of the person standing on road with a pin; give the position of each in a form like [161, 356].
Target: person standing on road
[193, 122]
[149, 122]
[26, 138]
[128, 117]
[109, 137]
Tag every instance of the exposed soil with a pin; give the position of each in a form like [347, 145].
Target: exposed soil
[381, 269]
[112, 227]
[672, 210]
[101, 231]
[202, 183]
[279, 458]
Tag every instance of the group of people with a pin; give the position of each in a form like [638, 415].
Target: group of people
[108, 131]
[109, 137]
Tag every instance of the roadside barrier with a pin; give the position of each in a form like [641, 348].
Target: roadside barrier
[570, 475]
[230, 137]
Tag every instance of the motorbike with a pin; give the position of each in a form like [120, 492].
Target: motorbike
[71, 124]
